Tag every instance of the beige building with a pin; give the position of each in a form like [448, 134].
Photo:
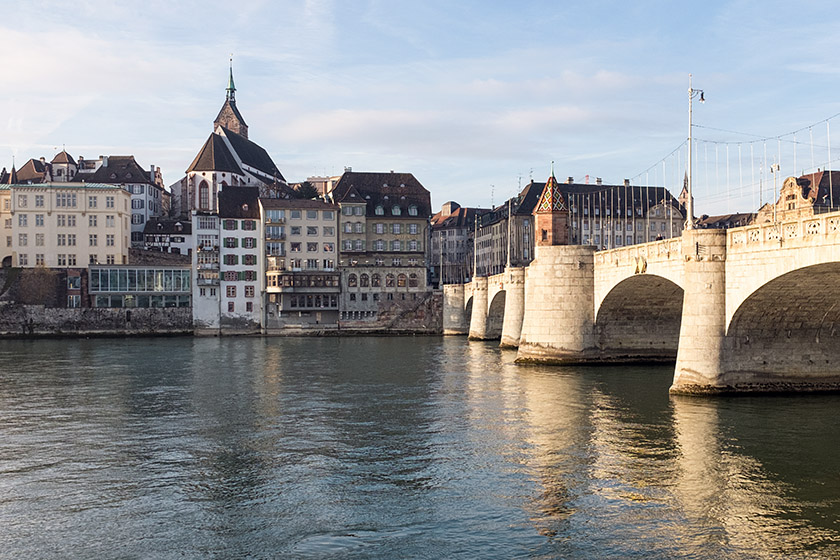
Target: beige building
[64, 225]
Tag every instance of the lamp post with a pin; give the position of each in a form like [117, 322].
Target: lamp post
[689, 205]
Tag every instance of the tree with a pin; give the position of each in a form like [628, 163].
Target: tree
[307, 190]
[37, 286]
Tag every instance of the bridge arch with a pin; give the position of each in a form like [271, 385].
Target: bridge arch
[496, 315]
[639, 319]
[789, 328]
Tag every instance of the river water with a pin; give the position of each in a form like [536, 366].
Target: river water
[396, 448]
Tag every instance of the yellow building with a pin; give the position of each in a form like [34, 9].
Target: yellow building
[64, 225]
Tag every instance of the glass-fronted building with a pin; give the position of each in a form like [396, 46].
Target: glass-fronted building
[138, 286]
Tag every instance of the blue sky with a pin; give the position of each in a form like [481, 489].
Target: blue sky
[474, 98]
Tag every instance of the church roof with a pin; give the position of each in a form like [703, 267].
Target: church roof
[63, 157]
[120, 169]
[214, 155]
[252, 155]
[551, 199]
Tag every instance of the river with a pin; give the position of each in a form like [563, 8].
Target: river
[413, 447]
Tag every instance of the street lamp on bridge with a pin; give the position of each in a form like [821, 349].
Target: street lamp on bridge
[689, 205]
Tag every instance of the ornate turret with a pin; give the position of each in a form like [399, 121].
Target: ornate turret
[230, 117]
[551, 217]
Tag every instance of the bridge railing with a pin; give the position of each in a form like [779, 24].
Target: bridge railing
[652, 251]
[801, 230]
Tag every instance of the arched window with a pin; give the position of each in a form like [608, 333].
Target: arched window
[395, 210]
[380, 211]
[401, 280]
[204, 196]
[352, 281]
[412, 210]
[375, 280]
[412, 280]
[389, 280]
[364, 281]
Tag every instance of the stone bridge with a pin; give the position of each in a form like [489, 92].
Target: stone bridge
[755, 308]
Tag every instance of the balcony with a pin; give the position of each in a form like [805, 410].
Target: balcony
[208, 266]
[207, 281]
[275, 236]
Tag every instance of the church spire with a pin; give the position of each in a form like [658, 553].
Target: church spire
[231, 89]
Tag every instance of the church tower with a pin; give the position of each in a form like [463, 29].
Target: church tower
[230, 117]
[551, 218]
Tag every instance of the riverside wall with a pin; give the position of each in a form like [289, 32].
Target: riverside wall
[18, 320]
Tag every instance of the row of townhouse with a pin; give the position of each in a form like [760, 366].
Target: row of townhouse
[356, 260]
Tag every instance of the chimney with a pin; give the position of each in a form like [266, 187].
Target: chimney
[626, 182]
[43, 160]
[570, 180]
[598, 181]
[104, 160]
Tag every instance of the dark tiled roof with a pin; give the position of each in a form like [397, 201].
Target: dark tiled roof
[385, 189]
[214, 155]
[820, 186]
[121, 169]
[725, 221]
[462, 217]
[296, 203]
[63, 157]
[252, 154]
[239, 202]
[33, 171]
[157, 226]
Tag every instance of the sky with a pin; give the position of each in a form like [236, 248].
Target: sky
[473, 98]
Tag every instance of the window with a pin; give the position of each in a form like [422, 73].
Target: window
[62, 260]
[109, 259]
[71, 239]
[360, 227]
[412, 210]
[375, 280]
[412, 245]
[379, 245]
[401, 279]
[412, 229]
[249, 225]
[231, 260]
[348, 227]
[379, 211]
[395, 210]
[311, 230]
[249, 306]
[311, 214]
[231, 291]
[249, 242]
[352, 281]
[412, 280]
[395, 245]
[329, 264]
[396, 229]
[294, 247]
[359, 210]
[39, 201]
[329, 231]
[8, 223]
[92, 220]
[203, 223]
[203, 196]
[21, 201]
[71, 260]
[359, 245]
[389, 280]
[109, 201]
[22, 239]
[364, 280]
[396, 262]
[249, 291]
[328, 215]
[295, 214]
[329, 247]
[312, 264]
[109, 240]
[295, 230]
[348, 245]
[137, 219]
[137, 204]
[93, 259]
[231, 307]
[249, 260]
[23, 260]
[379, 228]
[61, 239]
[311, 247]
[92, 239]
[229, 225]
[347, 211]
[22, 220]
[39, 239]
[231, 242]
[65, 200]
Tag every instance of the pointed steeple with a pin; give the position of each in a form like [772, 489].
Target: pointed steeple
[551, 199]
[13, 178]
[231, 89]
[551, 216]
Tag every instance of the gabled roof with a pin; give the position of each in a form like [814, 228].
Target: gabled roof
[386, 190]
[63, 157]
[158, 226]
[352, 195]
[459, 218]
[120, 169]
[251, 154]
[33, 171]
[551, 199]
[296, 203]
[214, 155]
[239, 202]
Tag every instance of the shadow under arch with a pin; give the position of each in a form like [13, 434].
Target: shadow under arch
[468, 311]
[788, 331]
[639, 320]
[496, 315]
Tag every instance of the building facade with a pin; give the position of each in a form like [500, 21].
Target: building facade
[451, 243]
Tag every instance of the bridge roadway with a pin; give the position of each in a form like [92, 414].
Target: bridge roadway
[755, 308]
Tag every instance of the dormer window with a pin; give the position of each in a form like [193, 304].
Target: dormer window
[244, 207]
[395, 210]
[113, 175]
[379, 211]
[412, 210]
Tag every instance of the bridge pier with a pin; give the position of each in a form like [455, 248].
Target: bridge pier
[454, 313]
[559, 306]
[478, 320]
[514, 307]
[700, 357]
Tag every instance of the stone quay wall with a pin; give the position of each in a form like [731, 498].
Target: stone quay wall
[18, 320]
